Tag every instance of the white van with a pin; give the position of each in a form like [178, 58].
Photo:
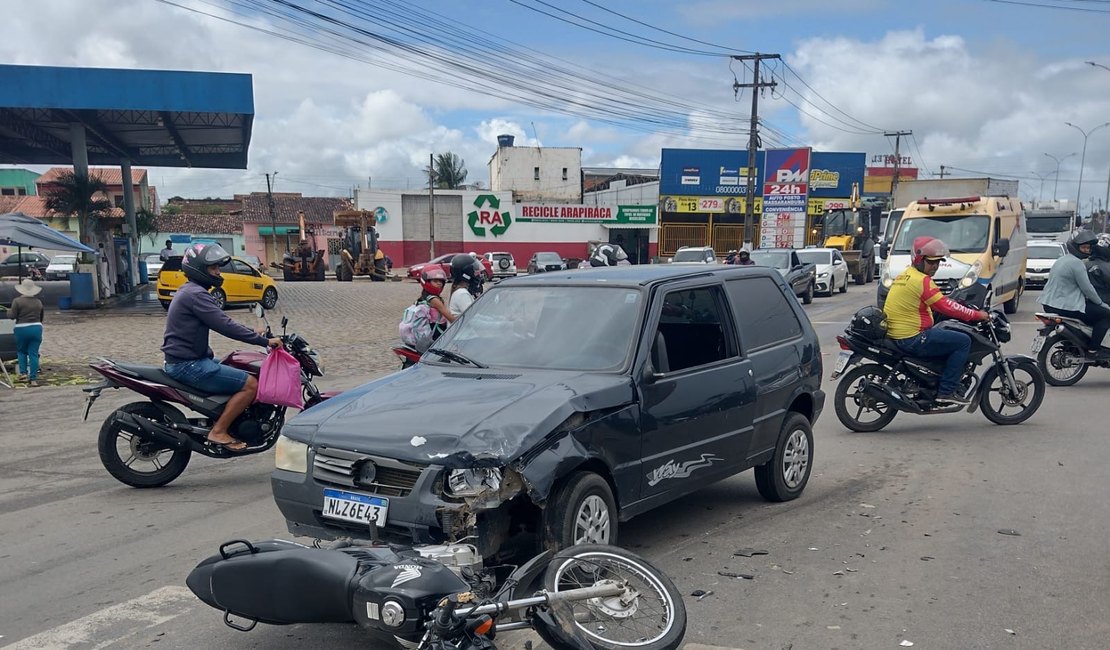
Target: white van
[986, 237]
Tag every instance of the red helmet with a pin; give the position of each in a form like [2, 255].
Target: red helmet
[428, 276]
[928, 248]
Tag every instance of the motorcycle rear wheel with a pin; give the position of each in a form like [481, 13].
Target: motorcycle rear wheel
[1030, 393]
[1053, 358]
[654, 620]
[850, 397]
[166, 464]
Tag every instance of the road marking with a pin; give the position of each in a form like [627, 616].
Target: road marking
[112, 624]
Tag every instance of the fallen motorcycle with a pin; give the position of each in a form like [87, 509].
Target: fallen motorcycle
[586, 597]
[149, 443]
[870, 394]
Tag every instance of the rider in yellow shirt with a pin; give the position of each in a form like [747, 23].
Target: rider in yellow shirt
[909, 311]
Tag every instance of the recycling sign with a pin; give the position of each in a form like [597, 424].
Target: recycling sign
[488, 216]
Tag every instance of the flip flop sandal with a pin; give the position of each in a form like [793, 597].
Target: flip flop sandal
[231, 445]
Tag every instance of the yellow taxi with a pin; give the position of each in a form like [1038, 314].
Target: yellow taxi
[243, 284]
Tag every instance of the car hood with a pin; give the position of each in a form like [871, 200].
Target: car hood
[456, 416]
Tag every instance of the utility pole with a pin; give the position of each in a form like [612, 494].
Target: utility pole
[431, 206]
[270, 200]
[753, 136]
[898, 161]
[942, 172]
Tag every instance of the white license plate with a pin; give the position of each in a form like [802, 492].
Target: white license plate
[356, 508]
[841, 363]
[1038, 343]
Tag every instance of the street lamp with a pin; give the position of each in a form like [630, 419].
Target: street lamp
[1058, 160]
[1083, 158]
[1040, 194]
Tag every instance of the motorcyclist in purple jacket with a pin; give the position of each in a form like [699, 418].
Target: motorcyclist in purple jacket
[193, 313]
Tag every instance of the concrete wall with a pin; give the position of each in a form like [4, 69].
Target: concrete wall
[515, 169]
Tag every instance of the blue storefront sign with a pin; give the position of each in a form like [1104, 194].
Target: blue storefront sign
[721, 172]
[831, 174]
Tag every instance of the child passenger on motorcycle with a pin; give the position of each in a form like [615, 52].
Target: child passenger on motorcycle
[193, 313]
[909, 313]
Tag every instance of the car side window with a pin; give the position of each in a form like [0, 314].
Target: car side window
[763, 311]
[693, 330]
[240, 267]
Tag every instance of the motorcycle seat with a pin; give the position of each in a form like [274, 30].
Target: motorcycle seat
[159, 376]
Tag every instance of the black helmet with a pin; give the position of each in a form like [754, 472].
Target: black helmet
[464, 268]
[1078, 239]
[198, 258]
[869, 323]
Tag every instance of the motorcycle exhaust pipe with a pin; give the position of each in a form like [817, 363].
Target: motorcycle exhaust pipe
[890, 396]
[154, 431]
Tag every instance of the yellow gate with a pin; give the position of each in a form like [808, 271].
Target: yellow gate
[673, 236]
[727, 237]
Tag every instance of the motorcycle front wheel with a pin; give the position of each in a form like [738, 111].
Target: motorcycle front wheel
[1003, 406]
[856, 410]
[135, 461]
[653, 618]
[1060, 360]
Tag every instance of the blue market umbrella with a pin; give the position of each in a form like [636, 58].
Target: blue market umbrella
[20, 230]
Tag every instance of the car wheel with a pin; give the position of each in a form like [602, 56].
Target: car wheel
[785, 476]
[832, 287]
[165, 304]
[808, 296]
[582, 512]
[843, 288]
[269, 298]
[221, 297]
[1011, 305]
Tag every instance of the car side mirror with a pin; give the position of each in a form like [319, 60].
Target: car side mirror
[650, 375]
[1001, 248]
[884, 250]
[837, 262]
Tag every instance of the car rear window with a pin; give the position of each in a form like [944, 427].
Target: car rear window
[172, 264]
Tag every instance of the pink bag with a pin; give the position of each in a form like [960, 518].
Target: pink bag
[279, 382]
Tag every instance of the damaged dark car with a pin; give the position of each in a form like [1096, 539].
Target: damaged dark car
[562, 404]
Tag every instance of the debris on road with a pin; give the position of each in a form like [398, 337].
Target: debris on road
[905, 643]
[748, 552]
[730, 574]
[699, 594]
[1008, 630]
[1009, 531]
[926, 558]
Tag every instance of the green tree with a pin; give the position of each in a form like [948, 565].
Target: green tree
[85, 197]
[145, 227]
[450, 171]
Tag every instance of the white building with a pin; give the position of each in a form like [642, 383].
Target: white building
[537, 173]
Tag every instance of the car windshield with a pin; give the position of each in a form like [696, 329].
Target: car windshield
[690, 255]
[773, 259]
[544, 327]
[548, 258]
[815, 257]
[1048, 224]
[64, 259]
[153, 259]
[962, 233]
[1045, 252]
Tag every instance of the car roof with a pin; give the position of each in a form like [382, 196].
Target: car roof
[821, 249]
[695, 248]
[635, 275]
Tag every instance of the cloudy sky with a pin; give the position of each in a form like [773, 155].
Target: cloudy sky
[362, 92]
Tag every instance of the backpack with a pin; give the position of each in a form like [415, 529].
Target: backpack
[417, 326]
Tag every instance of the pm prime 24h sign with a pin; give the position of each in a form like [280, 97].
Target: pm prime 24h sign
[785, 198]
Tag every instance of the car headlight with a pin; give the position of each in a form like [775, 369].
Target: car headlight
[472, 482]
[972, 275]
[823, 274]
[291, 455]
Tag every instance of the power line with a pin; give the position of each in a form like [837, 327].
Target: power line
[1047, 6]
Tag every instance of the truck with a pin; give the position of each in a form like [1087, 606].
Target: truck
[1049, 224]
[849, 230]
[308, 262]
[909, 191]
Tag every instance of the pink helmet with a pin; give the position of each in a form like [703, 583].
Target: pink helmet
[430, 275]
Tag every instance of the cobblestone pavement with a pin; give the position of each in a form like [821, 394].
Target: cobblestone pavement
[351, 324]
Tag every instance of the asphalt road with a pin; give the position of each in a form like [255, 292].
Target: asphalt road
[896, 539]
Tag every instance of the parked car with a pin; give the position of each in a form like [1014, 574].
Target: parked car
[557, 432]
[544, 262]
[694, 255]
[153, 266]
[801, 276]
[10, 265]
[60, 267]
[1042, 255]
[832, 270]
[444, 262]
[243, 284]
[503, 264]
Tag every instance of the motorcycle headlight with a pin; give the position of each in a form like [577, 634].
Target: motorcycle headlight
[972, 275]
[291, 455]
[888, 281]
[472, 482]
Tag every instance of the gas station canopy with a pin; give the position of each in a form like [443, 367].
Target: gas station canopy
[150, 118]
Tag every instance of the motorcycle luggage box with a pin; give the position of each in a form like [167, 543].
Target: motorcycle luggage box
[277, 582]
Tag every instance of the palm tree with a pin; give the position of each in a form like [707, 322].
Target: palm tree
[83, 196]
[450, 171]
